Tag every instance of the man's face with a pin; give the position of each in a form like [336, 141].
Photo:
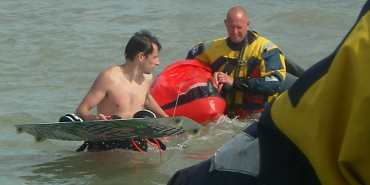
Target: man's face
[151, 61]
[237, 27]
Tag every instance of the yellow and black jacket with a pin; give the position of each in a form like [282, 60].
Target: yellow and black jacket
[318, 132]
[260, 75]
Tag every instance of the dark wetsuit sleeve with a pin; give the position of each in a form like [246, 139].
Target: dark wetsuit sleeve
[269, 84]
[257, 85]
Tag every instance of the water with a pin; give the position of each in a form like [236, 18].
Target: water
[51, 51]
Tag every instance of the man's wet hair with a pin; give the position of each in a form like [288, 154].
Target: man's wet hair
[141, 42]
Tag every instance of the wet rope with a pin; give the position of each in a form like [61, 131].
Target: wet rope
[177, 100]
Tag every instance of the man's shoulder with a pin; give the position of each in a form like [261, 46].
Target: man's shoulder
[214, 43]
[148, 77]
[110, 72]
[256, 40]
[254, 35]
[113, 69]
[223, 39]
[206, 44]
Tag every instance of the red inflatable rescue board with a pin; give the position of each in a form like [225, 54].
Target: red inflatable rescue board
[188, 88]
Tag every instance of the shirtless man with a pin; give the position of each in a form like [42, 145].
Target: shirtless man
[122, 90]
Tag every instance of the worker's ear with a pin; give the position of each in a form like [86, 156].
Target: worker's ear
[140, 56]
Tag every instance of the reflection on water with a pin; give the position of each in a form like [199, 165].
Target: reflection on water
[107, 167]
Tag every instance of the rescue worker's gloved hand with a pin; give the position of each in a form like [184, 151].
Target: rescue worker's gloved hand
[226, 88]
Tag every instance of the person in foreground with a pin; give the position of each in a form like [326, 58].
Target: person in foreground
[316, 132]
[120, 91]
[250, 68]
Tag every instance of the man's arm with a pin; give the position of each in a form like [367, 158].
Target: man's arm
[96, 93]
[272, 75]
[197, 50]
[153, 106]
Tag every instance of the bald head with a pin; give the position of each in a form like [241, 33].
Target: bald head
[237, 12]
[237, 24]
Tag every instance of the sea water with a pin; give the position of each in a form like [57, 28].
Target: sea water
[51, 52]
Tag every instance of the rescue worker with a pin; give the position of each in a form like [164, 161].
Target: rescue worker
[317, 132]
[250, 69]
